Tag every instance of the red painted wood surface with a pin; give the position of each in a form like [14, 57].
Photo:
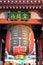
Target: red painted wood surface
[31, 21]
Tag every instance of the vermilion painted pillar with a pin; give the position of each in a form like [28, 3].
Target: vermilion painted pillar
[40, 48]
[36, 51]
[40, 52]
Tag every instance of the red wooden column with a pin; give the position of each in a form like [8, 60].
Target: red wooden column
[39, 52]
[40, 48]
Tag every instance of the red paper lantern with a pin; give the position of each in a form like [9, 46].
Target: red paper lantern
[20, 40]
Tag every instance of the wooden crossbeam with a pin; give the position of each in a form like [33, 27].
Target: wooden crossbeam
[31, 21]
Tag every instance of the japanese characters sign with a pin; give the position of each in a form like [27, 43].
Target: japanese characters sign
[19, 16]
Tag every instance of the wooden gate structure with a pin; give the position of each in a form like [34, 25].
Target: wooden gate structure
[35, 7]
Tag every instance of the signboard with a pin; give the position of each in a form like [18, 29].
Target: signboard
[19, 15]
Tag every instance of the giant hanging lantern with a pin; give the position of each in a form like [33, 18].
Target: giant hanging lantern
[20, 40]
